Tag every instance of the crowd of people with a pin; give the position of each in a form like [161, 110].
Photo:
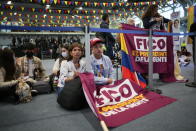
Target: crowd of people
[29, 68]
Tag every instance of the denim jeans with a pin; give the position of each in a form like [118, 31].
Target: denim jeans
[58, 90]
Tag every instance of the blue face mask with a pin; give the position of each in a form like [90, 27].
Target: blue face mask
[64, 54]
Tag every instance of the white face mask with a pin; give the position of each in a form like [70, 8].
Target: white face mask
[64, 54]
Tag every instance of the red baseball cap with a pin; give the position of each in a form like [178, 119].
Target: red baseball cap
[94, 41]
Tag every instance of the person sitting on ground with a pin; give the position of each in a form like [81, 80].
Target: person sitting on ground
[70, 69]
[31, 66]
[62, 57]
[101, 64]
[33, 72]
[56, 68]
[184, 57]
[8, 72]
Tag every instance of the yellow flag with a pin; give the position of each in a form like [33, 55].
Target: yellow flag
[11, 14]
[50, 11]
[22, 8]
[33, 9]
[11, 7]
[59, 11]
[95, 3]
[65, 2]
[55, 1]
[44, 1]
[85, 3]
[1, 12]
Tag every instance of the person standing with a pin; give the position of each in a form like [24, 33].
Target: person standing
[176, 39]
[152, 19]
[193, 29]
[107, 37]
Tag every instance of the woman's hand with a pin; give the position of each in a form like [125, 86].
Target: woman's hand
[76, 74]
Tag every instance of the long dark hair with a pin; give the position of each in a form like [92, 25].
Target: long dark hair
[150, 12]
[8, 63]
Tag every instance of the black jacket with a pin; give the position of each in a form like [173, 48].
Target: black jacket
[106, 35]
[148, 24]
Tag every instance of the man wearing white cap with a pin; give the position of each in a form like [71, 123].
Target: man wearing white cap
[101, 64]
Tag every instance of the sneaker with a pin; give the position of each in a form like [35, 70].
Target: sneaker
[34, 92]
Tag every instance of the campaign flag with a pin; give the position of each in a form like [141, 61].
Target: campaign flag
[121, 102]
[135, 54]
[127, 68]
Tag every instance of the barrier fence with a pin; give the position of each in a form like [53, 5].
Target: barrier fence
[88, 29]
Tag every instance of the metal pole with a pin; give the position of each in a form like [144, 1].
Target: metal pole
[87, 48]
[116, 71]
[150, 63]
[194, 44]
[193, 84]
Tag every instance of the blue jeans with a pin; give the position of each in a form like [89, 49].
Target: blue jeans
[58, 90]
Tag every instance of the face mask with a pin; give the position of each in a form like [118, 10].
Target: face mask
[29, 54]
[64, 54]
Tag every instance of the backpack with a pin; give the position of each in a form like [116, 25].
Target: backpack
[72, 97]
[42, 87]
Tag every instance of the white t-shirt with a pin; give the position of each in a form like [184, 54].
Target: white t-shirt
[99, 68]
[31, 67]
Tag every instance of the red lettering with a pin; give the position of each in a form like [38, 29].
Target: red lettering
[161, 44]
[139, 43]
[117, 99]
[124, 88]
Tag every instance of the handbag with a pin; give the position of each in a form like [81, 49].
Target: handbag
[23, 91]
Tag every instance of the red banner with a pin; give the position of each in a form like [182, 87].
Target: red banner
[121, 102]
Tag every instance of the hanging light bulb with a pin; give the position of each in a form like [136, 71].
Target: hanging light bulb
[9, 2]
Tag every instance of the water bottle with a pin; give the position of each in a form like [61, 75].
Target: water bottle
[55, 82]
